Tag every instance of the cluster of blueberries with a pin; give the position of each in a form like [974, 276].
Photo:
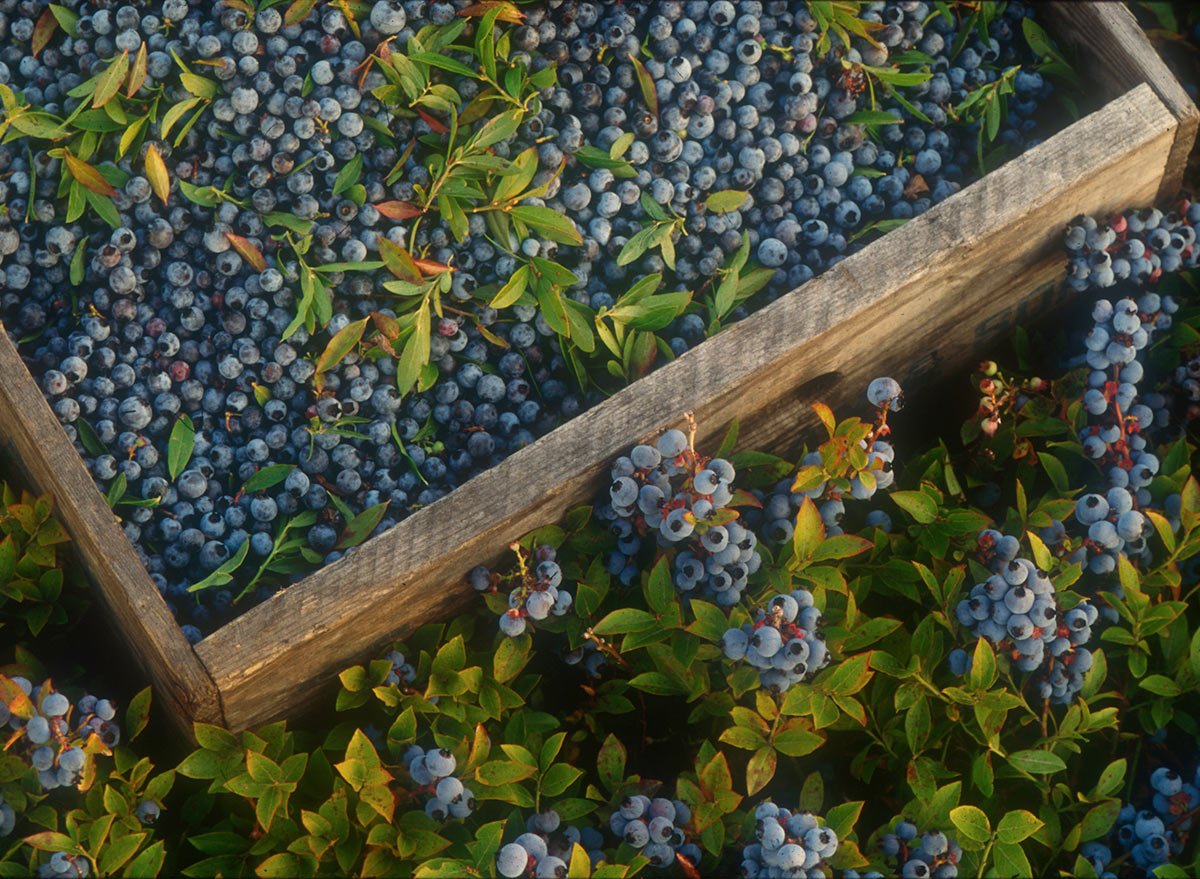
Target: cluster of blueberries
[62, 865]
[544, 850]
[1149, 837]
[929, 855]
[655, 828]
[1139, 246]
[1016, 611]
[778, 516]
[171, 318]
[538, 592]
[790, 843]
[433, 770]
[54, 739]
[402, 672]
[783, 642]
[682, 498]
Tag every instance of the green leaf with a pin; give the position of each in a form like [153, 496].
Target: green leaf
[497, 129]
[360, 527]
[725, 201]
[1010, 861]
[1161, 685]
[267, 477]
[550, 223]
[917, 504]
[180, 446]
[416, 352]
[625, 620]
[110, 80]
[514, 288]
[499, 772]
[760, 769]
[137, 715]
[1037, 762]
[1017, 826]
[77, 262]
[646, 84]
[348, 175]
[972, 823]
[610, 763]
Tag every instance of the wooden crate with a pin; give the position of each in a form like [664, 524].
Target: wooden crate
[924, 299]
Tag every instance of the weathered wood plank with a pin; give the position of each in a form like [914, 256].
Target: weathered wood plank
[32, 436]
[1119, 56]
[944, 284]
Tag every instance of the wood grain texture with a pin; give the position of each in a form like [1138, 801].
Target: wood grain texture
[31, 436]
[1118, 56]
[942, 286]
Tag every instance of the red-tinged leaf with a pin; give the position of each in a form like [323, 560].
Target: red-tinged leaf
[137, 73]
[46, 25]
[743, 498]
[429, 267]
[298, 11]
[88, 176]
[248, 250]
[157, 175]
[508, 12]
[398, 210]
[433, 122]
[339, 346]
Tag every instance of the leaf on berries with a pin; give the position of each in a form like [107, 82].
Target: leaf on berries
[298, 11]
[507, 11]
[267, 477]
[398, 210]
[137, 74]
[360, 527]
[342, 343]
[248, 250]
[156, 174]
[646, 83]
[87, 175]
[110, 80]
[180, 446]
[43, 31]
[725, 201]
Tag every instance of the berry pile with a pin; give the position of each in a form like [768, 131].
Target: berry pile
[55, 737]
[783, 642]
[789, 844]
[655, 828]
[683, 499]
[1016, 611]
[1137, 246]
[535, 593]
[433, 772]
[930, 855]
[544, 850]
[239, 204]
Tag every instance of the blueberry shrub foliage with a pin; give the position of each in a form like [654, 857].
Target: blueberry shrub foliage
[289, 271]
[979, 657]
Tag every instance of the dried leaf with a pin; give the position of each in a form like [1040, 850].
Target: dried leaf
[429, 267]
[88, 176]
[156, 173]
[46, 25]
[508, 12]
[398, 210]
[248, 250]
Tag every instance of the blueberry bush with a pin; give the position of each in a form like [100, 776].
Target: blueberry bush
[903, 651]
[290, 271]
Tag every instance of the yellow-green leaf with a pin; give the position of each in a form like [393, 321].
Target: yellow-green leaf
[156, 173]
